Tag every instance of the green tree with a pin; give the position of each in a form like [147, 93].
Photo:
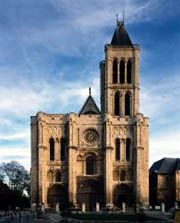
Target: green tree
[1, 176]
[16, 175]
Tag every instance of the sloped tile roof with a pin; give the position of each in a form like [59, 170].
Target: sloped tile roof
[90, 107]
[166, 166]
[120, 36]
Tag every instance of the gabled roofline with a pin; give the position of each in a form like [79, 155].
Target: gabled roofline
[85, 104]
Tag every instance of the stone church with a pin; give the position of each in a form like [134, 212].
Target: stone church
[96, 155]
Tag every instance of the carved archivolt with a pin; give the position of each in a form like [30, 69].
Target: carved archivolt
[79, 158]
[54, 131]
[118, 131]
[123, 132]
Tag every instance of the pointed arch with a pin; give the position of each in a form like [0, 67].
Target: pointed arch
[115, 71]
[128, 149]
[117, 103]
[122, 72]
[123, 175]
[90, 165]
[117, 149]
[51, 147]
[57, 193]
[122, 193]
[58, 176]
[129, 75]
[128, 104]
[63, 149]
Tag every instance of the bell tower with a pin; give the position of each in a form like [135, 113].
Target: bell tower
[120, 75]
[126, 140]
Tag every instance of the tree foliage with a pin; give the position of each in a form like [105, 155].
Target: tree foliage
[16, 176]
[1, 176]
[11, 198]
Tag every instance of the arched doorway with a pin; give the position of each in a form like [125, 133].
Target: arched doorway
[122, 193]
[57, 194]
[90, 191]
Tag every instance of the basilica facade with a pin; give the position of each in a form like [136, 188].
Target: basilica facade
[96, 155]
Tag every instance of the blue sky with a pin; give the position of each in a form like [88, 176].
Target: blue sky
[50, 52]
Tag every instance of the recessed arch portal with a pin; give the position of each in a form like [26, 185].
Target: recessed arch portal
[57, 193]
[90, 191]
[122, 193]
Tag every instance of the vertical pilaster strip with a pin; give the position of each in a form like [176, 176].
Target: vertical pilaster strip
[108, 164]
[57, 149]
[125, 71]
[72, 157]
[136, 81]
[72, 184]
[122, 154]
[42, 173]
[141, 159]
[34, 160]
[118, 71]
[123, 103]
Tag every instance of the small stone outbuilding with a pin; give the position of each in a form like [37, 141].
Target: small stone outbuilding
[164, 179]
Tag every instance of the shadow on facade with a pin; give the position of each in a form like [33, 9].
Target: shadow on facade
[122, 193]
[90, 191]
[57, 193]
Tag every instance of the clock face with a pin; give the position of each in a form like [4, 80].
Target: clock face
[91, 136]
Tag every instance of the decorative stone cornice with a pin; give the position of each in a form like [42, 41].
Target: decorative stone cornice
[72, 147]
[139, 148]
[108, 148]
[40, 146]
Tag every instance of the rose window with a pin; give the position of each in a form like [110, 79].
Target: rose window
[91, 136]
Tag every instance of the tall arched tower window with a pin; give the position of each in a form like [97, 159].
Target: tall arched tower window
[128, 149]
[90, 165]
[63, 149]
[115, 73]
[129, 75]
[51, 146]
[122, 72]
[127, 104]
[117, 149]
[117, 103]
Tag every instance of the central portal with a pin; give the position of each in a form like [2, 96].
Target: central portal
[57, 193]
[90, 191]
[122, 193]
